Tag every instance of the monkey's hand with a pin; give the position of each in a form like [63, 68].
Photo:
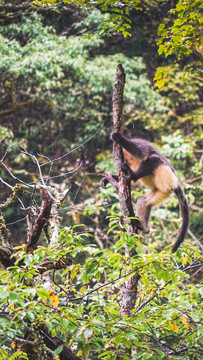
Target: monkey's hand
[116, 136]
[126, 169]
[128, 172]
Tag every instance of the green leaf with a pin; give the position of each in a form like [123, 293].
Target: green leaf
[58, 350]
[31, 315]
[43, 294]
[139, 250]
[13, 296]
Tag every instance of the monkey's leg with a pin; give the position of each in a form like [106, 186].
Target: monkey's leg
[146, 202]
[143, 210]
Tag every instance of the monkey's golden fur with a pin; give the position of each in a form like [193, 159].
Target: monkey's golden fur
[163, 181]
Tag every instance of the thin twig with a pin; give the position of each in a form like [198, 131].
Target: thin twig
[76, 148]
[195, 239]
[67, 173]
[15, 222]
[157, 340]
[13, 176]
[35, 160]
[60, 287]
[7, 184]
[2, 138]
[110, 282]
[194, 179]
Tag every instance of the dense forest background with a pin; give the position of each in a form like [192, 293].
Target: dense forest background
[57, 66]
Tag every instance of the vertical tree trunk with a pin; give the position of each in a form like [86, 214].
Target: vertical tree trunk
[129, 288]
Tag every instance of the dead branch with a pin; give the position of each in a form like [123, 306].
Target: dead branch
[15, 108]
[49, 265]
[42, 218]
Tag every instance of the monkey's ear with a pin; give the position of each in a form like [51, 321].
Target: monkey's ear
[116, 136]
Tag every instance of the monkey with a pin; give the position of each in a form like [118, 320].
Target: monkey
[143, 162]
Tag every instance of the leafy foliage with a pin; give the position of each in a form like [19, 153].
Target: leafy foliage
[185, 32]
[84, 309]
[67, 85]
[181, 35]
[119, 20]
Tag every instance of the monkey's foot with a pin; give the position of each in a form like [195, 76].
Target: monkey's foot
[139, 225]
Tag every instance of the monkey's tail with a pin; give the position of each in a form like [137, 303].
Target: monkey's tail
[184, 210]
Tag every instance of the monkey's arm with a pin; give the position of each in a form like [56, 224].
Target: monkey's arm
[146, 167]
[139, 151]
